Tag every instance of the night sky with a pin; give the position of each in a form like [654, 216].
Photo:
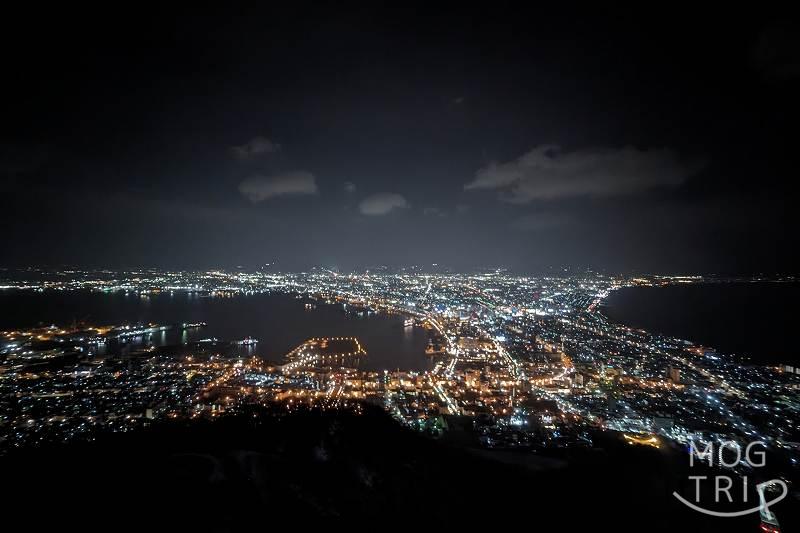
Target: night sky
[626, 141]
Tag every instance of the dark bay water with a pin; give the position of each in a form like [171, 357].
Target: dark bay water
[748, 319]
[280, 322]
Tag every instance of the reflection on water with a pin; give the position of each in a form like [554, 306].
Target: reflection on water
[279, 322]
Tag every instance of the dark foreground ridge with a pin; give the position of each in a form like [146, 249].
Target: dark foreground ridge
[259, 470]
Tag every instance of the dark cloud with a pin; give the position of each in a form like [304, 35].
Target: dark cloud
[546, 172]
[349, 187]
[382, 204]
[260, 188]
[255, 147]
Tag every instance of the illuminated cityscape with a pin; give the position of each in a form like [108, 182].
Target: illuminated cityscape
[533, 361]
